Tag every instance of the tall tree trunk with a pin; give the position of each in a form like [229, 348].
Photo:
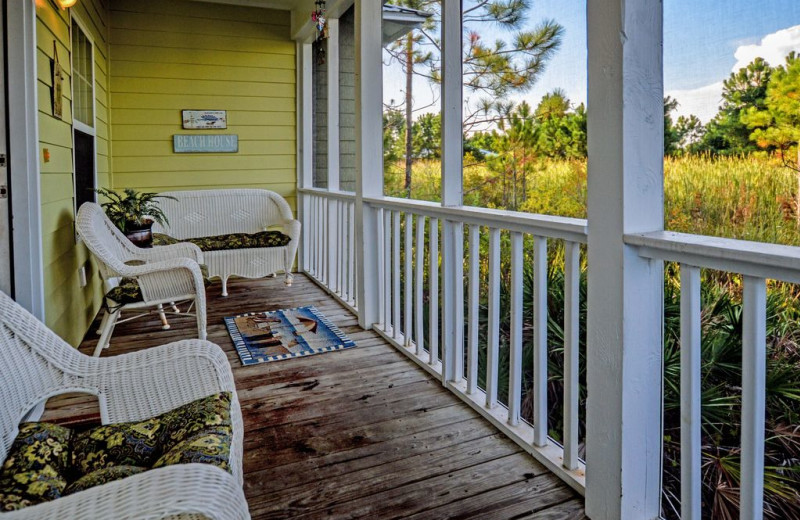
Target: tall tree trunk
[409, 99]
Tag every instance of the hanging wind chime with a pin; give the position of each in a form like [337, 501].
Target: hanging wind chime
[321, 24]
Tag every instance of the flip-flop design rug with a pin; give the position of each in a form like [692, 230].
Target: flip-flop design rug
[260, 337]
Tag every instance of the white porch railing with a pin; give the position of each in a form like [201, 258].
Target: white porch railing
[756, 262]
[409, 246]
[329, 243]
[411, 271]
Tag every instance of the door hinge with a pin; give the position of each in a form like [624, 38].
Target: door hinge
[3, 191]
[2, 160]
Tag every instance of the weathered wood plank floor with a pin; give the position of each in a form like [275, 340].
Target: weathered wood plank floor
[361, 433]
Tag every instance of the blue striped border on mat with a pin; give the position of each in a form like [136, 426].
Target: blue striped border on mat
[250, 358]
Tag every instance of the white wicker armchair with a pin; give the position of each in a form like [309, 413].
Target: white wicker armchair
[35, 364]
[165, 274]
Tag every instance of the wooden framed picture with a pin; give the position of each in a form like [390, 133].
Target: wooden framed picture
[205, 119]
[58, 87]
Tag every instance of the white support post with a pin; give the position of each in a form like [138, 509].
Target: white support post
[625, 299]
[305, 171]
[23, 157]
[452, 192]
[332, 64]
[369, 154]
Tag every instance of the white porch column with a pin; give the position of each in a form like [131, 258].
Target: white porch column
[23, 156]
[452, 193]
[305, 146]
[625, 300]
[332, 63]
[369, 154]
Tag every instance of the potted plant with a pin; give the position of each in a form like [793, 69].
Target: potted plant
[134, 213]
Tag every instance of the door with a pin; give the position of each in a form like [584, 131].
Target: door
[5, 209]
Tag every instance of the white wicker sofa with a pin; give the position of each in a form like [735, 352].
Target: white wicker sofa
[208, 213]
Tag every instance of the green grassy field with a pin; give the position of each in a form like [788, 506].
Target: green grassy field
[749, 198]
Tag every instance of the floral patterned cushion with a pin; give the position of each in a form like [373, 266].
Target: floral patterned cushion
[208, 414]
[34, 468]
[209, 446]
[47, 461]
[102, 476]
[229, 241]
[121, 444]
[128, 290]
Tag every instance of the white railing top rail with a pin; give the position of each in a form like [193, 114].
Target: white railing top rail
[571, 229]
[758, 259]
[321, 192]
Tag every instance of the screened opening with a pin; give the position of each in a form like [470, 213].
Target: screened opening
[83, 116]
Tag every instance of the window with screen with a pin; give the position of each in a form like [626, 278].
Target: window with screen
[83, 115]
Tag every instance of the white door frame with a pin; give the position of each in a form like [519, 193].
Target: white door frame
[24, 163]
[6, 284]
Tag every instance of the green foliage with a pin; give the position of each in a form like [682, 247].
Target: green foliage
[744, 90]
[426, 137]
[133, 209]
[777, 122]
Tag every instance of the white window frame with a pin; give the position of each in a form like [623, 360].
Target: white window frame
[78, 125]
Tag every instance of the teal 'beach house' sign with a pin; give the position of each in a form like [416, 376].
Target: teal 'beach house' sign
[205, 143]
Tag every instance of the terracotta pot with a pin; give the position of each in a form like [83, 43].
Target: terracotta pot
[140, 235]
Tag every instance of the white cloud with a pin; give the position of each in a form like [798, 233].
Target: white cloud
[773, 48]
[704, 101]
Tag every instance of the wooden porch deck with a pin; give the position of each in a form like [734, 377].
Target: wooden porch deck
[361, 433]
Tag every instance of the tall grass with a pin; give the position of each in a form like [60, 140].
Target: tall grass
[748, 198]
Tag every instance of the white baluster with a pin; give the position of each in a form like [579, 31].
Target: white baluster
[387, 270]
[691, 498]
[515, 365]
[572, 278]
[408, 295]
[754, 360]
[474, 301]
[493, 347]
[539, 341]
[396, 275]
[433, 278]
[419, 269]
[351, 255]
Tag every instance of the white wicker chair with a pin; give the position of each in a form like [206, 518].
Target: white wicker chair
[35, 364]
[166, 274]
[202, 213]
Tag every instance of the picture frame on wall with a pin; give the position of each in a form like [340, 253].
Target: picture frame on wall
[58, 85]
[205, 119]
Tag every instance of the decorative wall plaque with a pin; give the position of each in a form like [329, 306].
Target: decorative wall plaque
[205, 143]
[205, 119]
[58, 88]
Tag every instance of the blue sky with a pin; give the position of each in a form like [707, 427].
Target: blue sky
[704, 40]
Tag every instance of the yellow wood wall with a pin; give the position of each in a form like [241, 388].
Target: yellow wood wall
[69, 308]
[169, 56]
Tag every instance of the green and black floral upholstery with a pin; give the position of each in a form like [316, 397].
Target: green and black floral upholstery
[35, 468]
[230, 241]
[128, 290]
[47, 461]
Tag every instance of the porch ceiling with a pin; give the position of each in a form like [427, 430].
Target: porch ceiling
[286, 5]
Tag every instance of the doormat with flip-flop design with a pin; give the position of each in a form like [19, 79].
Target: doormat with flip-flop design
[260, 337]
